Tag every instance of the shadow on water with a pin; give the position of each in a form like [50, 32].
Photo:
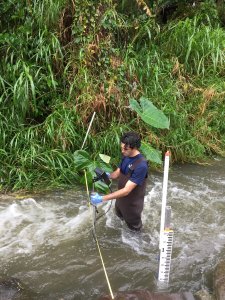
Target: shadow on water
[46, 241]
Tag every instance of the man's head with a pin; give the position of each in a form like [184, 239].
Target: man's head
[130, 143]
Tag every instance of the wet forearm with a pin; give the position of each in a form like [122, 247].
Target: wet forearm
[117, 194]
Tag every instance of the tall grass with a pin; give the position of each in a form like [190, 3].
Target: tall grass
[182, 74]
[199, 46]
[61, 60]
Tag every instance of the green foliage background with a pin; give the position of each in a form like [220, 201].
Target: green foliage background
[62, 60]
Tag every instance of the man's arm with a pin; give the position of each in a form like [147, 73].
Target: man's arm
[122, 192]
[115, 174]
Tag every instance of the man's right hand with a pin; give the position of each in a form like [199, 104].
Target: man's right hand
[96, 198]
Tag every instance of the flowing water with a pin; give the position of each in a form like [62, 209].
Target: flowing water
[46, 241]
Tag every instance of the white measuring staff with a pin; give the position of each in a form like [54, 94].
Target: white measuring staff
[166, 234]
[89, 127]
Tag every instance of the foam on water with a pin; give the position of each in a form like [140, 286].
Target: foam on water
[26, 225]
[111, 220]
[79, 220]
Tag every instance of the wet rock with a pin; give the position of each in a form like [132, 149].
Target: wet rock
[219, 281]
[147, 295]
[9, 288]
[203, 295]
[13, 289]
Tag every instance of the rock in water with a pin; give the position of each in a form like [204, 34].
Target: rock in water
[203, 295]
[12, 289]
[147, 295]
[219, 281]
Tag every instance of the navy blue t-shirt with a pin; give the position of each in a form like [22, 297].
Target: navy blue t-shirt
[140, 172]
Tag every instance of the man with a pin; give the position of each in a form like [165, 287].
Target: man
[131, 174]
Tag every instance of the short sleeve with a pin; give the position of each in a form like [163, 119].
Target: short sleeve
[139, 174]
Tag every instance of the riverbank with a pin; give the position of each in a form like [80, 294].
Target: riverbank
[57, 69]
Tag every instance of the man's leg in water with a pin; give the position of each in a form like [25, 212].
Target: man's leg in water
[135, 227]
[118, 213]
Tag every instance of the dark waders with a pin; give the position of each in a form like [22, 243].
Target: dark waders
[130, 207]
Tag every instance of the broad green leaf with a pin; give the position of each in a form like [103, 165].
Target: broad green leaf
[101, 187]
[82, 159]
[105, 158]
[98, 185]
[150, 153]
[149, 113]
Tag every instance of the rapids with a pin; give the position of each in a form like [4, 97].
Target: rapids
[46, 240]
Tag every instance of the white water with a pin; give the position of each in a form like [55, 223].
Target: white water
[46, 240]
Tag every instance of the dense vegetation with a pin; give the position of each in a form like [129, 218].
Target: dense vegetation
[61, 60]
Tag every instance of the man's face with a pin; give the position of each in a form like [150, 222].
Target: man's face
[126, 150]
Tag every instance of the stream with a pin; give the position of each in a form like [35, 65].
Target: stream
[46, 240]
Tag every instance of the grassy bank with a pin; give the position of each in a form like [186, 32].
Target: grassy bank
[63, 60]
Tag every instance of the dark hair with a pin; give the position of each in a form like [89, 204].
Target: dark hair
[131, 139]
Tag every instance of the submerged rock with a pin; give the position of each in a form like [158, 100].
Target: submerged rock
[147, 295]
[219, 281]
[203, 295]
[13, 289]
[9, 288]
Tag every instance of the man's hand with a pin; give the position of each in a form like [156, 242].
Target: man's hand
[96, 198]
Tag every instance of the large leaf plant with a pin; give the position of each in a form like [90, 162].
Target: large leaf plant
[151, 115]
